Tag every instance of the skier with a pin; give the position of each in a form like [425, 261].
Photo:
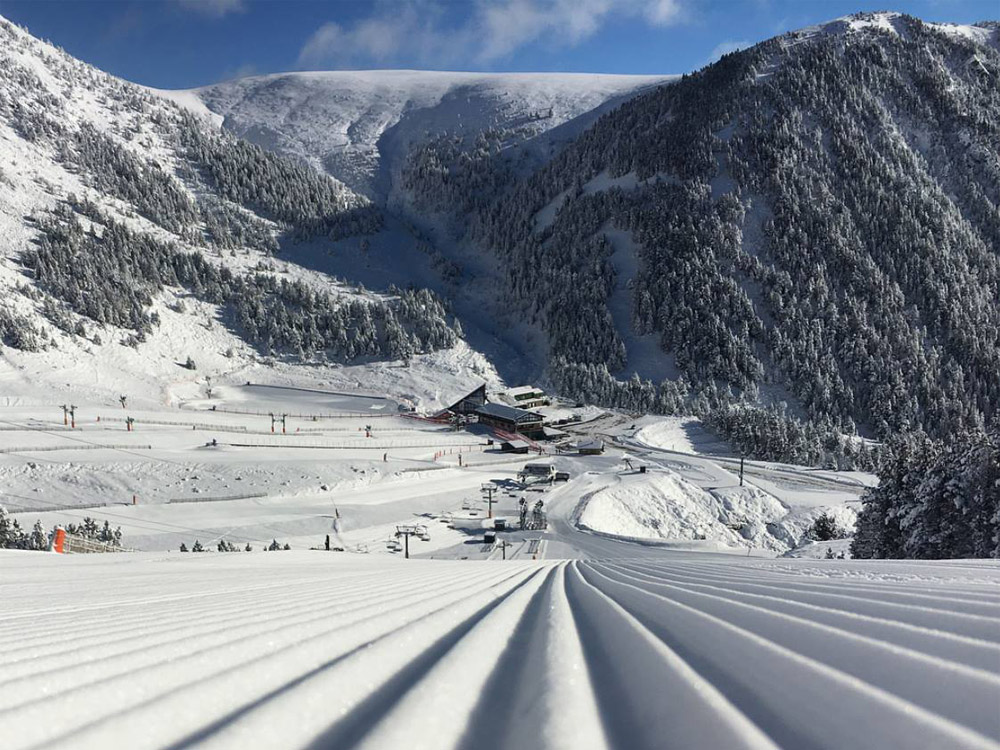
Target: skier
[327, 542]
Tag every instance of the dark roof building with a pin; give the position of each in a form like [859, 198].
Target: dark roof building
[470, 402]
[514, 446]
[509, 419]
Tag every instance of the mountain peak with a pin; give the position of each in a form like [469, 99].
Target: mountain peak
[896, 24]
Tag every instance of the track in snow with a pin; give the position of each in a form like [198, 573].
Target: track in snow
[309, 650]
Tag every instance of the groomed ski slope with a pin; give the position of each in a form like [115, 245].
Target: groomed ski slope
[625, 647]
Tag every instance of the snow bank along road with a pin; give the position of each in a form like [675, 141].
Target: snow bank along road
[300, 649]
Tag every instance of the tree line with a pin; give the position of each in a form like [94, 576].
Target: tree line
[821, 216]
[110, 274]
[935, 499]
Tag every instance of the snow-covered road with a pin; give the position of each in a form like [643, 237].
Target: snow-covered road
[632, 648]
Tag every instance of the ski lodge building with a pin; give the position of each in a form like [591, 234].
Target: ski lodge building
[509, 419]
[525, 397]
[470, 402]
[503, 417]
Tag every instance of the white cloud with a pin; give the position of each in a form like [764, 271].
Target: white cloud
[214, 8]
[420, 31]
[724, 48]
[664, 12]
[240, 71]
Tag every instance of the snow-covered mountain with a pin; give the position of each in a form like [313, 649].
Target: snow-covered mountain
[137, 236]
[252, 260]
[812, 220]
[359, 126]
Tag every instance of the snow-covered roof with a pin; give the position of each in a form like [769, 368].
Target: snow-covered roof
[523, 390]
[517, 443]
[502, 411]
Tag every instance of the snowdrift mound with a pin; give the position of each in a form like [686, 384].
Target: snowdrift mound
[665, 506]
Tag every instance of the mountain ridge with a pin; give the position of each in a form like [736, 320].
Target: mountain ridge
[136, 234]
[753, 191]
[336, 120]
[735, 237]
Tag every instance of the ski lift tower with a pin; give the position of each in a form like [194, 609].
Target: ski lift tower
[406, 531]
[489, 489]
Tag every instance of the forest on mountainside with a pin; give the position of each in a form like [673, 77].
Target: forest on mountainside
[145, 165]
[935, 499]
[109, 275]
[821, 212]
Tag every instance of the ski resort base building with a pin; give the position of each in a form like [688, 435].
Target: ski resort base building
[509, 419]
[525, 397]
[470, 402]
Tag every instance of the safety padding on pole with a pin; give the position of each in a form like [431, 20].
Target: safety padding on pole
[59, 540]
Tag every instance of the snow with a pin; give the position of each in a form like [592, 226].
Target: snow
[190, 101]
[887, 22]
[820, 550]
[610, 639]
[662, 505]
[978, 34]
[33, 179]
[881, 22]
[331, 474]
[692, 491]
[300, 649]
[684, 434]
[359, 125]
[618, 626]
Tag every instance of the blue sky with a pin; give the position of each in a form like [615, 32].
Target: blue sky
[185, 43]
